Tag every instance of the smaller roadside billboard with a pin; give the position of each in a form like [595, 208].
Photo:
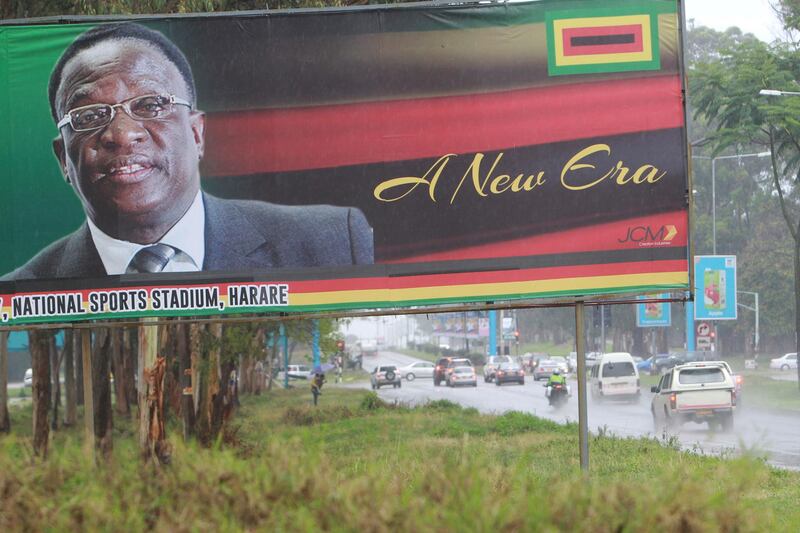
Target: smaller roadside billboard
[653, 314]
[715, 279]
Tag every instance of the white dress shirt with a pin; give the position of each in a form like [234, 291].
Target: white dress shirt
[187, 236]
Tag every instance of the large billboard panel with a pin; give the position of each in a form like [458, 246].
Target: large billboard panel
[341, 159]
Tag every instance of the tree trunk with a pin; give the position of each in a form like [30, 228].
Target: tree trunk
[123, 408]
[638, 347]
[209, 387]
[152, 431]
[77, 345]
[103, 415]
[797, 298]
[39, 343]
[55, 375]
[70, 409]
[5, 421]
[185, 367]
[129, 360]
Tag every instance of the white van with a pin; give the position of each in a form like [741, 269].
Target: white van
[614, 376]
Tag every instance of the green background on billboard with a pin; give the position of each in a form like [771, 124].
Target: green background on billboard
[39, 207]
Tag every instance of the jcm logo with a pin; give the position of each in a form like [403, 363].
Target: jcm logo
[645, 236]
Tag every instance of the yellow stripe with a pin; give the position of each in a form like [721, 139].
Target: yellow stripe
[489, 289]
[645, 55]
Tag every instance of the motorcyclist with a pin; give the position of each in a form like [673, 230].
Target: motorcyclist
[555, 378]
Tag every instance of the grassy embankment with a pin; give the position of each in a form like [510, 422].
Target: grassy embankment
[357, 464]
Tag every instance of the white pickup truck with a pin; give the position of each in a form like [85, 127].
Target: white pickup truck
[695, 392]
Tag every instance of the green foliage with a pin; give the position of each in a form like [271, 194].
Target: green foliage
[371, 401]
[386, 470]
[44, 8]
[516, 422]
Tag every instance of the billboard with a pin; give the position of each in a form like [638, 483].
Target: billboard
[469, 325]
[653, 314]
[341, 159]
[715, 277]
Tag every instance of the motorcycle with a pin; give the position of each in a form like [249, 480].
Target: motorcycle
[559, 394]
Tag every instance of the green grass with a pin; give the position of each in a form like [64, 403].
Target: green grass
[356, 463]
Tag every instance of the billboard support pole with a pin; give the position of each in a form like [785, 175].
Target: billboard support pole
[690, 347]
[583, 423]
[315, 345]
[492, 332]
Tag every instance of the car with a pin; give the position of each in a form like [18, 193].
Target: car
[562, 362]
[786, 362]
[614, 376]
[645, 365]
[417, 369]
[462, 375]
[665, 361]
[509, 372]
[27, 381]
[299, 371]
[385, 375]
[491, 366]
[369, 347]
[545, 369]
[700, 392]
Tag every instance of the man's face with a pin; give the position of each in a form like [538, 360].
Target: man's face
[135, 177]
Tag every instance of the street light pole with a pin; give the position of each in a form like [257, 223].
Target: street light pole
[714, 188]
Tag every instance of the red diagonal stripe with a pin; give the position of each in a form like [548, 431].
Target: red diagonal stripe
[261, 141]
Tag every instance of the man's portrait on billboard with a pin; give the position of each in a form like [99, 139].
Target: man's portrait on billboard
[130, 141]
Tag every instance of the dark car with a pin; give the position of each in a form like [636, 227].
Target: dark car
[665, 361]
[509, 372]
[440, 370]
[445, 366]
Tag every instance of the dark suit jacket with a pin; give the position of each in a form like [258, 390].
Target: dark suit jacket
[240, 235]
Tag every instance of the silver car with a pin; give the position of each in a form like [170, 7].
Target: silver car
[491, 365]
[417, 369]
[462, 375]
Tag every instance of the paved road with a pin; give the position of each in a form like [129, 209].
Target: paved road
[775, 435]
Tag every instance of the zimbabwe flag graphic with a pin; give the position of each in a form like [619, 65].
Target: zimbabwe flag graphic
[497, 151]
[604, 39]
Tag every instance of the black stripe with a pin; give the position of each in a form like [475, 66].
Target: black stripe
[594, 40]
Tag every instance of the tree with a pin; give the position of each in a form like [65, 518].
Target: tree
[5, 421]
[726, 92]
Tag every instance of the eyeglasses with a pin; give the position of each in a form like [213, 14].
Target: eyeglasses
[96, 116]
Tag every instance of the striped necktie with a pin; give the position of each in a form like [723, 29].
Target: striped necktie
[151, 259]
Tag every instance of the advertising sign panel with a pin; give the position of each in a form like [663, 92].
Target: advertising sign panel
[653, 314]
[715, 277]
[341, 159]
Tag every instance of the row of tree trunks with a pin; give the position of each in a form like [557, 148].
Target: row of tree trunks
[187, 367]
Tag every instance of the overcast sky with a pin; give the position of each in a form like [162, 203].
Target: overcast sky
[754, 16]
